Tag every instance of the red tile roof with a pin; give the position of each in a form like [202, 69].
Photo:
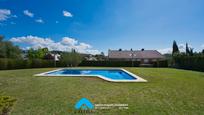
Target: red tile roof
[138, 54]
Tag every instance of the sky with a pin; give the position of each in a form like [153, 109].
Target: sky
[94, 26]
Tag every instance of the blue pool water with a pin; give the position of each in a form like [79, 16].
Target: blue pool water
[111, 74]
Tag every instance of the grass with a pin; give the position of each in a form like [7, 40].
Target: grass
[168, 91]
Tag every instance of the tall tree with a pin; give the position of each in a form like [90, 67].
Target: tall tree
[71, 58]
[175, 48]
[39, 53]
[191, 52]
[187, 49]
[31, 53]
[8, 50]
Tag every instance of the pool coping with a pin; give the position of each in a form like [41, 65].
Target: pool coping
[138, 79]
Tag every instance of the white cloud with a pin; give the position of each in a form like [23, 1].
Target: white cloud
[28, 13]
[66, 44]
[83, 47]
[67, 14]
[4, 14]
[182, 47]
[39, 21]
[90, 51]
[165, 51]
[69, 41]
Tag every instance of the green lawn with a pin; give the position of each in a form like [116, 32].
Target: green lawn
[168, 91]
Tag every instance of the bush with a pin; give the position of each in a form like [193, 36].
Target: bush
[71, 58]
[6, 102]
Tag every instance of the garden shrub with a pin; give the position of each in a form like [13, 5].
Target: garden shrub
[6, 103]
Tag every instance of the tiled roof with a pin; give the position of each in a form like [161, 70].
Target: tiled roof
[139, 54]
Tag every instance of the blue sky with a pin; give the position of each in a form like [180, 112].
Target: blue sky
[93, 26]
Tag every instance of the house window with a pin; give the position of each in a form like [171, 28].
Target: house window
[146, 61]
[154, 60]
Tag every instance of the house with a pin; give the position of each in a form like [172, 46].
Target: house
[91, 57]
[143, 56]
[88, 57]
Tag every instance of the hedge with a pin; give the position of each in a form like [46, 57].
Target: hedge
[110, 63]
[22, 64]
[162, 63]
[40, 63]
[189, 62]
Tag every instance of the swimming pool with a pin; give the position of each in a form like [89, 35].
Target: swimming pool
[114, 75]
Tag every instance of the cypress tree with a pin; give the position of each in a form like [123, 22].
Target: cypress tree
[187, 49]
[191, 52]
[175, 47]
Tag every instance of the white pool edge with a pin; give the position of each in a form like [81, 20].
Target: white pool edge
[138, 79]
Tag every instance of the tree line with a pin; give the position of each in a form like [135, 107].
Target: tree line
[187, 60]
[11, 55]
